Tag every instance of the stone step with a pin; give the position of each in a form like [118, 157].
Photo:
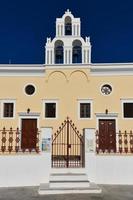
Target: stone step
[68, 170]
[69, 184]
[68, 177]
[68, 180]
[44, 189]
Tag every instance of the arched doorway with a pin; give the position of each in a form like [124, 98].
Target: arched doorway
[59, 52]
[77, 52]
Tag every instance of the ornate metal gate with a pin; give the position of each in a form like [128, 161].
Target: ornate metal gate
[67, 146]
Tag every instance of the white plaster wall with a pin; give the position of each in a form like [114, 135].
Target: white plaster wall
[106, 169]
[109, 169]
[24, 170]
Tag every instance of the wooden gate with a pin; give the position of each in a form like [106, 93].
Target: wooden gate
[67, 146]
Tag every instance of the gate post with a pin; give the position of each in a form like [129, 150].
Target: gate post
[45, 146]
[67, 164]
[90, 153]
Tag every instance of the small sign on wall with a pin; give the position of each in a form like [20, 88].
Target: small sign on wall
[90, 140]
[46, 144]
[89, 145]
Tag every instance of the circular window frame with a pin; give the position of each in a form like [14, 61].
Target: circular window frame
[29, 95]
[103, 85]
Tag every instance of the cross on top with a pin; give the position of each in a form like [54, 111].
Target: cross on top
[68, 11]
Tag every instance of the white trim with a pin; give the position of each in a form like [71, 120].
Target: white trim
[2, 108]
[91, 108]
[56, 110]
[26, 86]
[128, 100]
[22, 70]
[107, 116]
[30, 116]
[109, 69]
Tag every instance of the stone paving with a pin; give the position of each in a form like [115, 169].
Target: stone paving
[109, 192]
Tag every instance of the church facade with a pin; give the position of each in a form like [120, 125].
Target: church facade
[68, 94]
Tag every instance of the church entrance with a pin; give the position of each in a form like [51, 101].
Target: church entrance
[68, 147]
[107, 135]
[29, 134]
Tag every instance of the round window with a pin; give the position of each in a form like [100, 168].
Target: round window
[106, 89]
[29, 89]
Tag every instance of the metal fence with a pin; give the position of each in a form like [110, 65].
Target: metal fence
[10, 142]
[123, 143]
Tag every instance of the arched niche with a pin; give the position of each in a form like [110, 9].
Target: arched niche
[76, 51]
[59, 52]
[68, 26]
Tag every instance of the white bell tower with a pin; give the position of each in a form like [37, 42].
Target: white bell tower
[68, 47]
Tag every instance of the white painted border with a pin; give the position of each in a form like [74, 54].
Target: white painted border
[91, 108]
[26, 86]
[56, 110]
[122, 113]
[107, 83]
[2, 108]
[107, 117]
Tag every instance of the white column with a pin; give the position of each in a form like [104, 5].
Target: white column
[90, 55]
[77, 30]
[83, 55]
[46, 61]
[86, 55]
[47, 56]
[70, 56]
[73, 31]
[65, 56]
[60, 30]
[63, 30]
[52, 56]
[56, 29]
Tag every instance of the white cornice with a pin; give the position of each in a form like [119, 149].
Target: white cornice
[99, 69]
[21, 70]
[106, 115]
[111, 69]
[29, 114]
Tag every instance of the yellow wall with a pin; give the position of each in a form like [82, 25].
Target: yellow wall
[67, 86]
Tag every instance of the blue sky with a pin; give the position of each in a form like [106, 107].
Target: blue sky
[25, 24]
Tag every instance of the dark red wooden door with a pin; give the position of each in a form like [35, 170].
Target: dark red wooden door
[29, 134]
[107, 135]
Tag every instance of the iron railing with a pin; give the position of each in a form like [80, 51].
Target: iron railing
[10, 142]
[123, 143]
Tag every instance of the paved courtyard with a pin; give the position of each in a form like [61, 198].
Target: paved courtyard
[30, 193]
